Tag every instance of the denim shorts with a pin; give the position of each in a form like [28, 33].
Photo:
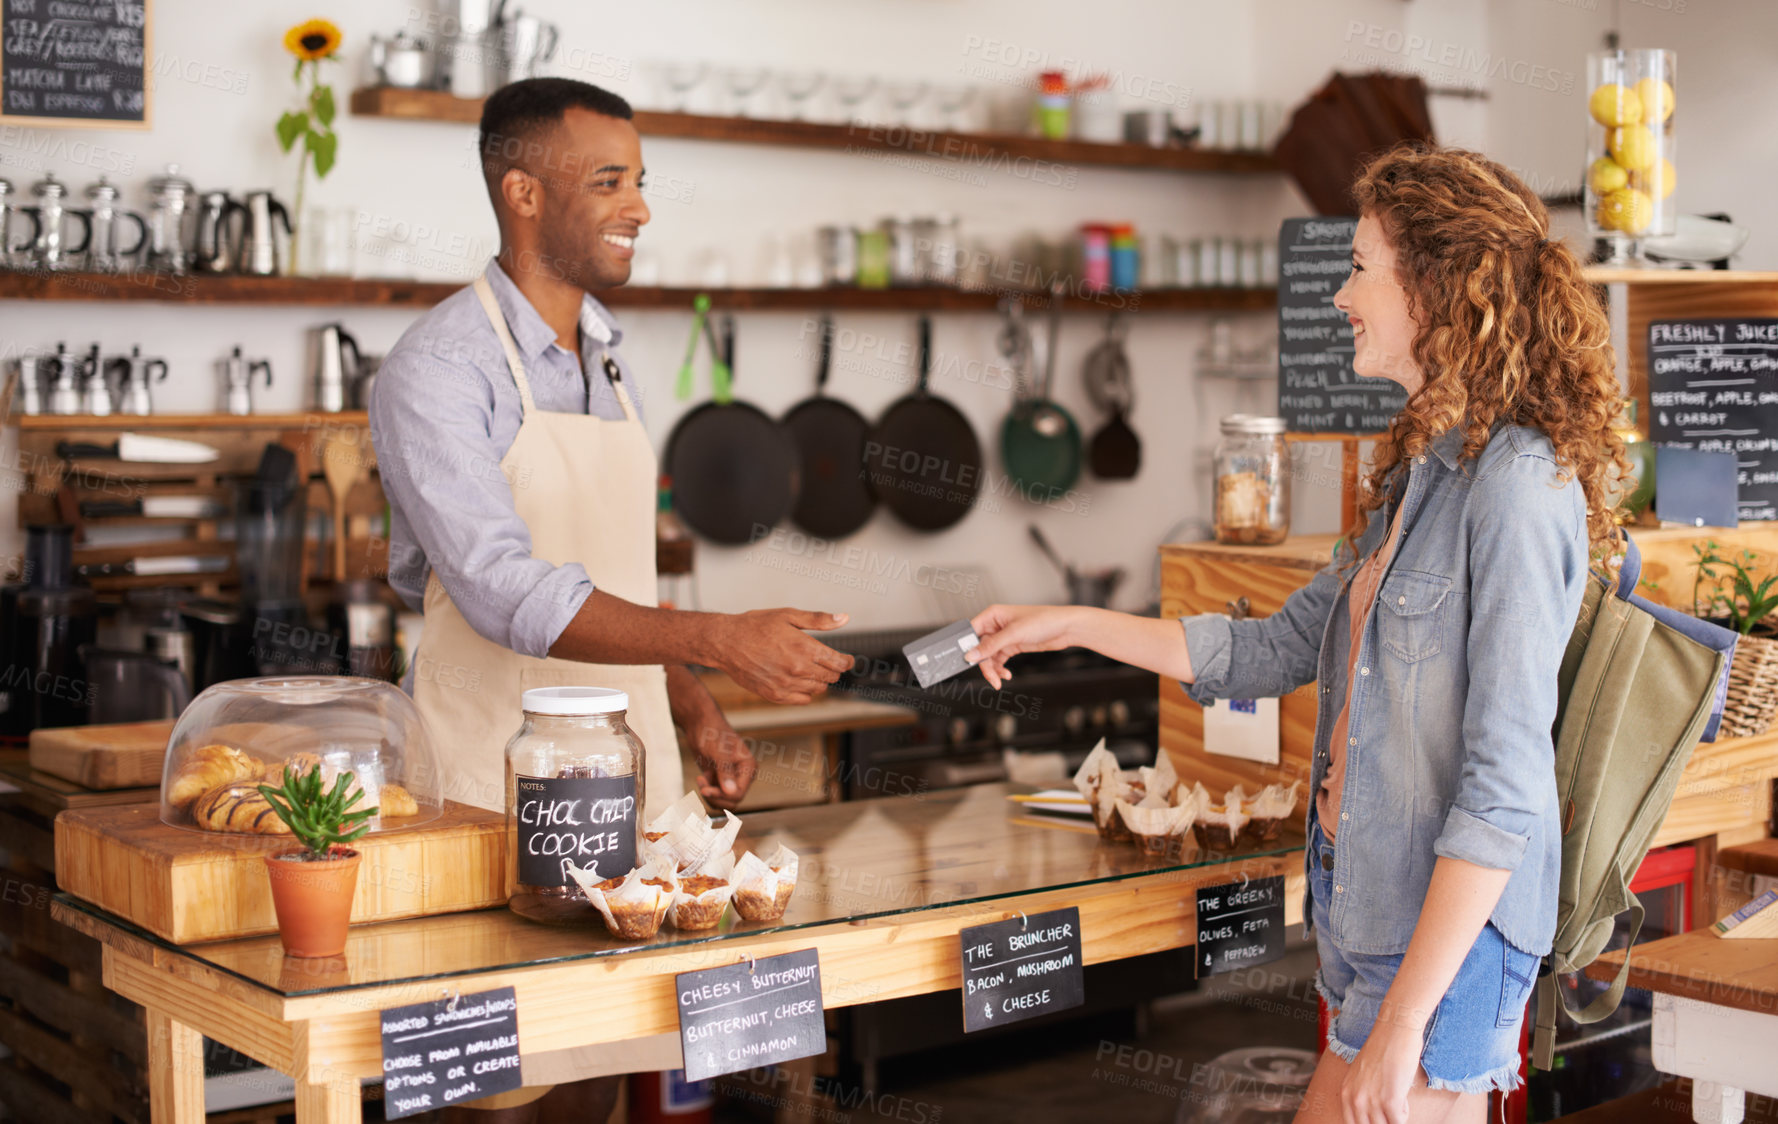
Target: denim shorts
[1472, 1040]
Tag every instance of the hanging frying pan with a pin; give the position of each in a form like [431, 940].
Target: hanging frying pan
[1115, 452]
[830, 436]
[923, 459]
[1039, 442]
[734, 468]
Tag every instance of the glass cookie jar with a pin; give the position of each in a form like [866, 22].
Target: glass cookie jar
[574, 791]
[1252, 503]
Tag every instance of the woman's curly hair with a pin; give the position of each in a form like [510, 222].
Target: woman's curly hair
[1508, 328]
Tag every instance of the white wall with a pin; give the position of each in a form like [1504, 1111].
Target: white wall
[414, 180]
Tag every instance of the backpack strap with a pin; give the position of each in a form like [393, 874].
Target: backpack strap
[1549, 996]
[1631, 571]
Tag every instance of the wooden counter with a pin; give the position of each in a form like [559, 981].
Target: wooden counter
[885, 887]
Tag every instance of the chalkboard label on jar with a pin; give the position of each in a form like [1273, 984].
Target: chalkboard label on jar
[587, 821]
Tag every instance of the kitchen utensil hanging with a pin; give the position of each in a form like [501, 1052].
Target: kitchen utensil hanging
[925, 462]
[734, 467]
[1039, 441]
[835, 499]
[1115, 452]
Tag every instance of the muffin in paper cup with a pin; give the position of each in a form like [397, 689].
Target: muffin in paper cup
[700, 901]
[1268, 811]
[1218, 826]
[1159, 831]
[635, 905]
[762, 888]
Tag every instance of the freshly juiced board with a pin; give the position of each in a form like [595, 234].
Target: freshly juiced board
[126, 755]
[189, 886]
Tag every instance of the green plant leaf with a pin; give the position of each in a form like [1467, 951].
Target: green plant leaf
[291, 126]
[323, 145]
[321, 101]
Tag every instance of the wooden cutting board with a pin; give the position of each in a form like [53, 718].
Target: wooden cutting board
[189, 886]
[127, 755]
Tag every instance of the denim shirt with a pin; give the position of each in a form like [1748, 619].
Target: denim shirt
[1450, 748]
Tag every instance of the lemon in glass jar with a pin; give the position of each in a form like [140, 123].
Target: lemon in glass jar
[1626, 209]
[1656, 97]
[1614, 105]
[1656, 181]
[1606, 175]
[1633, 147]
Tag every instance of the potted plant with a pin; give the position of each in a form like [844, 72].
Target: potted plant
[312, 887]
[1735, 600]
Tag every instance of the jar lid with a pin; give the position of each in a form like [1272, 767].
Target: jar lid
[1252, 424]
[575, 701]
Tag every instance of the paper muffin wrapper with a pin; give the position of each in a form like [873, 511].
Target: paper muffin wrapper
[634, 909]
[1276, 801]
[1090, 777]
[676, 813]
[762, 887]
[701, 911]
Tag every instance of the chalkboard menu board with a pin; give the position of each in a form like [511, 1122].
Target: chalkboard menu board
[64, 61]
[1240, 924]
[1318, 392]
[1022, 968]
[1713, 385]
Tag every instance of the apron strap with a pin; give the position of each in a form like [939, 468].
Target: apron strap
[513, 359]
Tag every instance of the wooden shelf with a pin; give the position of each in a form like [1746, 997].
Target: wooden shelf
[308, 291]
[1612, 275]
[983, 151]
[134, 423]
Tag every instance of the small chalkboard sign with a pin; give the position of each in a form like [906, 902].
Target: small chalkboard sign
[447, 1052]
[71, 61]
[1318, 392]
[1240, 924]
[587, 821]
[1713, 386]
[751, 1014]
[1021, 968]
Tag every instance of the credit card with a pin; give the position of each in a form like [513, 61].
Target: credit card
[937, 656]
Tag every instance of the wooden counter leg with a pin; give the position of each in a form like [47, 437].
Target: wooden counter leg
[337, 1102]
[175, 1071]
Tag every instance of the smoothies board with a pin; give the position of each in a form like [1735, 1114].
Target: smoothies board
[1318, 392]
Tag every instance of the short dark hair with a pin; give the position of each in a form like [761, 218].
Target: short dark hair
[514, 114]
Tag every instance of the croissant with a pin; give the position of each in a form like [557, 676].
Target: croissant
[394, 802]
[209, 767]
[238, 807]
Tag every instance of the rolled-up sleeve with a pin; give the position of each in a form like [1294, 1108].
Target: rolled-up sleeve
[430, 419]
[1262, 658]
[1527, 566]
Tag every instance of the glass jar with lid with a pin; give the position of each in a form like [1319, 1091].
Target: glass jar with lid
[574, 791]
[1252, 503]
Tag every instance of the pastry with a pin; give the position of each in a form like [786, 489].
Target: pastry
[208, 767]
[700, 902]
[763, 888]
[395, 802]
[634, 920]
[238, 807]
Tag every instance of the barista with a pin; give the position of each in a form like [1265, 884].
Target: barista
[522, 486]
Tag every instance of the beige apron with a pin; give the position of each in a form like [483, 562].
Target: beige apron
[585, 488]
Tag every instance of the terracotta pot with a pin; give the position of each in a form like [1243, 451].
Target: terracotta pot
[313, 900]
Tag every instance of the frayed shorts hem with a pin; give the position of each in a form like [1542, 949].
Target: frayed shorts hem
[1506, 1078]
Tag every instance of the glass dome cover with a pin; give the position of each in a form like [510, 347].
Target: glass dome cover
[243, 733]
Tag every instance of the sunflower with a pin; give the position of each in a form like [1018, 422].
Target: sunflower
[312, 39]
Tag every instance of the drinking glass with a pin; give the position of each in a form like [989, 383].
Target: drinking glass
[904, 98]
[952, 103]
[744, 82]
[681, 79]
[851, 91]
[798, 86]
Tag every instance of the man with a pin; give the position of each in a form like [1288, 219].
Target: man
[522, 487]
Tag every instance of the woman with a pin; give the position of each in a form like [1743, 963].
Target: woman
[1436, 633]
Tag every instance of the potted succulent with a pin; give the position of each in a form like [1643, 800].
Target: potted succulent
[312, 888]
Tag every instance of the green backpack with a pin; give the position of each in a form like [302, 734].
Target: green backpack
[1640, 685]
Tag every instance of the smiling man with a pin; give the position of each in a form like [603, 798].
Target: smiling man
[522, 488]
